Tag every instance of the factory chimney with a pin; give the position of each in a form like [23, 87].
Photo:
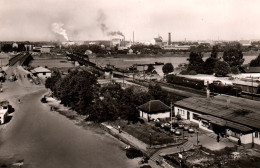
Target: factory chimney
[133, 37]
[169, 39]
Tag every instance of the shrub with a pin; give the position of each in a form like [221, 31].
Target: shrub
[175, 124]
[234, 70]
[178, 116]
[192, 72]
[133, 153]
[141, 120]
[184, 72]
[166, 128]
[157, 124]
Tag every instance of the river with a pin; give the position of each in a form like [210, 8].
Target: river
[126, 61]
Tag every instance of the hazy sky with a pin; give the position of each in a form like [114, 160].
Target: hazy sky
[93, 19]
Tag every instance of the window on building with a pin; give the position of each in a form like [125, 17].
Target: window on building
[195, 116]
[256, 135]
[44, 73]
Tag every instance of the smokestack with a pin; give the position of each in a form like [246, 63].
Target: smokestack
[124, 41]
[169, 39]
[133, 37]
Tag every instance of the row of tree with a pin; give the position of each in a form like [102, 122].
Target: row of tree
[80, 91]
[9, 48]
[230, 62]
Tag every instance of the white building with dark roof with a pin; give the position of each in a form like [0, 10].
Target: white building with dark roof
[41, 72]
[233, 117]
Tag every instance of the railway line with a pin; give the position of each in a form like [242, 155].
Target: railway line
[19, 58]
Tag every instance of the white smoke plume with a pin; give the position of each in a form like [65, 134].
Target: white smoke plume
[58, 28]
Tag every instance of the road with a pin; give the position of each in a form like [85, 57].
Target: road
[44, 138]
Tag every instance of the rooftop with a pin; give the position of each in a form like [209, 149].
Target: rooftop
[235, 109]
[40, 69]
[154, 106]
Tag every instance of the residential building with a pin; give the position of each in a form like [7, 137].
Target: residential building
[232, 117]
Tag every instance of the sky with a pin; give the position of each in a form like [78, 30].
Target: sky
[44, 20]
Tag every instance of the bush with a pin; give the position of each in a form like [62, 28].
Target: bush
[157, 124]
[234, 70]
[175, 124]
[192, 72]
[133, 153]
[184, 72]
[178, 116]
[141, 120]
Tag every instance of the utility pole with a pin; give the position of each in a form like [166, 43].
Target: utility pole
[252, 88]
[171, 115]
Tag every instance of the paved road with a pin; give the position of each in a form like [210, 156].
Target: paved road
[47, 139]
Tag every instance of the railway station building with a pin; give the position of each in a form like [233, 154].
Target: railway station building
[232, 117]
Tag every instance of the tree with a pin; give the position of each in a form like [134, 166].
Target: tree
[156, 92]
[222, 68]
[209, 65]
[7, 48]
[195, 61]
[50, 82]
[233, 55]
[150, 68]
[214, 52]
[167, 68]
[255, 62]
[77, 90]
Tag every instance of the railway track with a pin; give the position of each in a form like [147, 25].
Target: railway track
[19, 58]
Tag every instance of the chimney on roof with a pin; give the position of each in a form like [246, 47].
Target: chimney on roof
[228, 102]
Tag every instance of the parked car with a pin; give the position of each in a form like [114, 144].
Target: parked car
[177, 132]
[181, 126]
[191, 130]
[172, 130]
[185, 128]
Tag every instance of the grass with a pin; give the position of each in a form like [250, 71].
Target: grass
[143, 131]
